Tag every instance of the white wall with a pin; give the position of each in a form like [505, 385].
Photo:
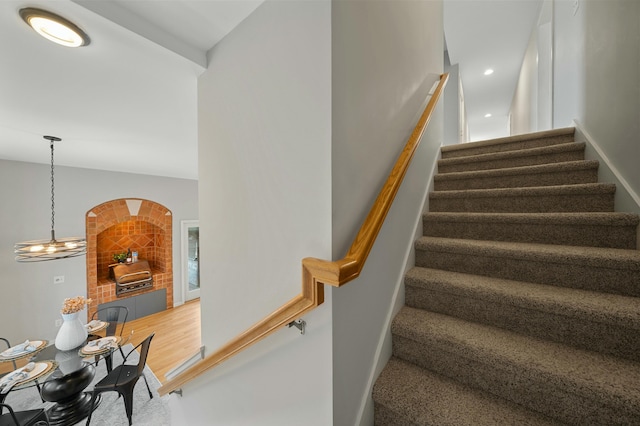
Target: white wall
[462, 113]
[612, 83]
[568, 62]
[453, 106]
[531, 107]
[385, 58]
[29, 301]
[525, 97]
[544, 113]
[596, 69]
[265, 203]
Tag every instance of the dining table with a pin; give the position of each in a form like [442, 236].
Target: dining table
[60, 376]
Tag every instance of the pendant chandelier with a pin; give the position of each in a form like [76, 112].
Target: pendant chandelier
[42, 250]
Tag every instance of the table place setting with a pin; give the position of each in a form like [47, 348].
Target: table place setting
[28, 347]
[29, 372]
[100, 346]
[96, 325]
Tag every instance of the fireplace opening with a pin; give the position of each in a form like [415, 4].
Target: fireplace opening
[121, 225]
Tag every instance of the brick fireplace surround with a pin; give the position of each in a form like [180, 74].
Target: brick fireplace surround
[117, 225]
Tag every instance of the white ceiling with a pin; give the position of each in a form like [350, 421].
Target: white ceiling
[123, 103]
[127, 102]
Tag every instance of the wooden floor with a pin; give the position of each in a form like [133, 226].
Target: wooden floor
[177, 336]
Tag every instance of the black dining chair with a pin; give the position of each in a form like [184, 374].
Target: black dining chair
[123, 379]
[36, 417]
[116, 316]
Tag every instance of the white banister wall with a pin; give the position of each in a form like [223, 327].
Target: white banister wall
[265, 203]
[385, 57]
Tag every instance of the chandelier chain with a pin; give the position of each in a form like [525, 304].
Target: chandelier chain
[52, 192]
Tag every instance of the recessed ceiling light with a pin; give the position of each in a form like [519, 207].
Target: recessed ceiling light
[54, 27]
[487, 115]
[488, 72]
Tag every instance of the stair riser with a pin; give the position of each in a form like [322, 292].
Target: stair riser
[526, 319]
[600, 202]
[515, 181]
[517, 383]
[387, 417]
[560, 273]
[510, 146]
[623, 237]
[491, 164]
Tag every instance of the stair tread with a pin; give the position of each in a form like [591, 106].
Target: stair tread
[571, 218]
[528, 152]
[566, 166]
[426, 398]
[609, 258]
[587, 188]
[509, 139]
[617, 310]
[579, 371]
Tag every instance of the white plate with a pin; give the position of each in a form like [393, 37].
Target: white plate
[98, 325]
[94, 345]
[11, 353]
[38, 369]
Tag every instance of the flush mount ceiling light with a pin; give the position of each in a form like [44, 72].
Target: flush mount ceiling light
[54, 27]
[41, 250]
[487, 115]
[488, 72]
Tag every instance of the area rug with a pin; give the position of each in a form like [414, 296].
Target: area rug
[146, 412]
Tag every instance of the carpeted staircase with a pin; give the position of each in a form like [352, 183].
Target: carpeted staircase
[524, 306]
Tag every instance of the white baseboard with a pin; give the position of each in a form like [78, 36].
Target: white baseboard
[182, 366]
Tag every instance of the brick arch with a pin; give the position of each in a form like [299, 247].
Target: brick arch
[116, 225]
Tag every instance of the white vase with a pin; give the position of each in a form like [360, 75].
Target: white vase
[72, 332]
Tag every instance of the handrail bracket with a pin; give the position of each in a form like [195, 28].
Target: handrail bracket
[300, 325]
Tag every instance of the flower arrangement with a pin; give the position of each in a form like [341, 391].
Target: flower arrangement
[120, 257]
[74, 304]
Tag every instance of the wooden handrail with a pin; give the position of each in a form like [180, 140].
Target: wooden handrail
[317, 272]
